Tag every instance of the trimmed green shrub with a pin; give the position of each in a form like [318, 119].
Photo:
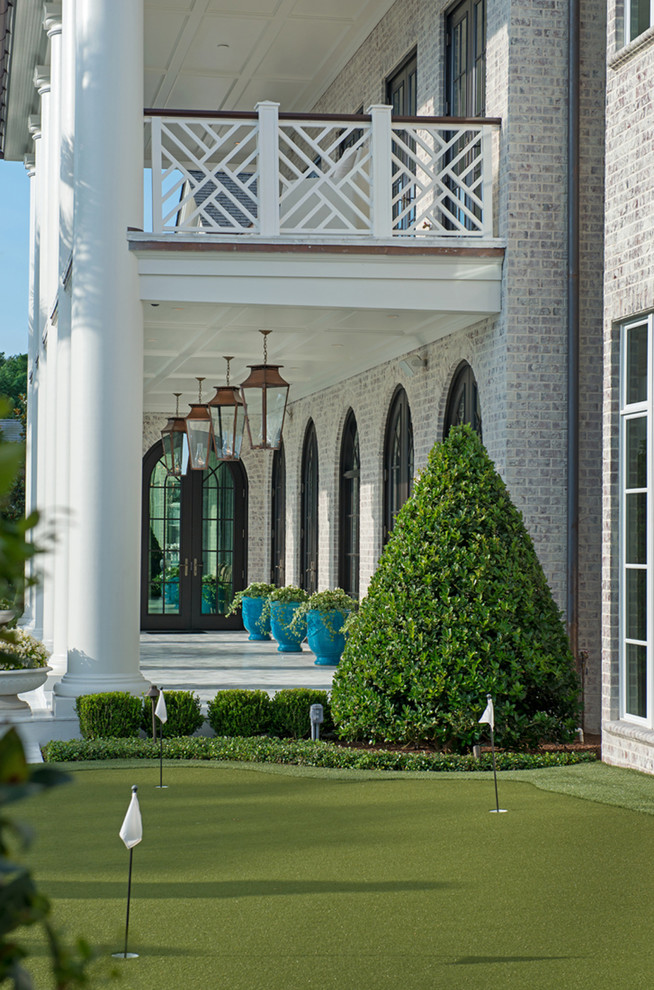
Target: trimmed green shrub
[184, 714]
[296, 752]
[240, 712]
[257, 589]
[459, 606]
[113, 714]
[290, 712]
[332, 600]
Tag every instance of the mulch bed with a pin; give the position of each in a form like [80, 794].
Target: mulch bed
[591, 744]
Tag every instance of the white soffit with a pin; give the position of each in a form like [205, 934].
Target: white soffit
[229, 54]
[377, 319]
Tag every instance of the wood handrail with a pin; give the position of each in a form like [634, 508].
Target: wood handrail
[348, 117]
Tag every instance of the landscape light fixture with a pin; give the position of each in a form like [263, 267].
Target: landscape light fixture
[175, 443]
[199, 432]
[228, 418]
[265, 394]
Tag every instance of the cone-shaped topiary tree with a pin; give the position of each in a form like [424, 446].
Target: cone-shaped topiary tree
[459, 606]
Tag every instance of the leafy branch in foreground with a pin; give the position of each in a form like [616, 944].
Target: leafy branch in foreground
[21, 903]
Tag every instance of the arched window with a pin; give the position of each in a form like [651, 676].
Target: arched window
[309, 512]
[278, 520]
[398, 459]
[348, 564]
[463, 401]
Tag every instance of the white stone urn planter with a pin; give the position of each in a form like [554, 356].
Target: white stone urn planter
[15, 682]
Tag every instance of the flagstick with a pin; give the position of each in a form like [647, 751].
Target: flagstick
[161, 785]
[131, 832]
[497, 800]
[129, 894]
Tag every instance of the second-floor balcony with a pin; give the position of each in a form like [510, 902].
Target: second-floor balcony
[369, 178]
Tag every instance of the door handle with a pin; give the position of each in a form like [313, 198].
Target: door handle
[195, 567]
[186, 567]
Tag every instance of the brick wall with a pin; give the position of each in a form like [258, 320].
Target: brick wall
[628, 291]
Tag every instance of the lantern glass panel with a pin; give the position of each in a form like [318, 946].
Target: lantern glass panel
[254, 411]
[227, 431]
[199, 441]
[179, 443]
[276, 404]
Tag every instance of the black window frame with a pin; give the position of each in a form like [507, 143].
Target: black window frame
[309, 526]
[474, 13]
[278, 518]
[349, 508]
[398, 459]
[463, 389]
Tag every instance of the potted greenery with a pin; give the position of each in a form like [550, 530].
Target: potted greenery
[171, 575]
[23, 667]
[251, 601]
[282, 604]
[326, 613]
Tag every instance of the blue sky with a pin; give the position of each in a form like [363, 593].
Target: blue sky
[14, 256]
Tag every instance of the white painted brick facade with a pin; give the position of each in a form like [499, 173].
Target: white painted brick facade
[628, 292]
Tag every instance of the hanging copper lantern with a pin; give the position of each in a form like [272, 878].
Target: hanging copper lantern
[199, 432]
[175, 443]
[228, 418]
[265, 395]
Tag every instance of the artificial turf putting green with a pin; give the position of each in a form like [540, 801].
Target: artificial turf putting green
[250, 880]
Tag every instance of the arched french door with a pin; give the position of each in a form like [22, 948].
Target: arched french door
[309, 512]
[350, 486]
[398, 459]
[463, 404]
[193, 544]
[278, 519]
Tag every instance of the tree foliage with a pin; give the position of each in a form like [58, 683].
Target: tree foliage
[21, 903]
[13, 378]
[459, 606]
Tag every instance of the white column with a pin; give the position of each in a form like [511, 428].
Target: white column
[37, 384]
[60, 25]
[27, 620]
[48, 81]
[48, 355]
[106, 354]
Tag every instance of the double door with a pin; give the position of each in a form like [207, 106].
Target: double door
[193, 545]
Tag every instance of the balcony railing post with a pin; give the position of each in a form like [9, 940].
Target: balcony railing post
[268, 186]
[487, 180]
[381, 194]
[157, 198]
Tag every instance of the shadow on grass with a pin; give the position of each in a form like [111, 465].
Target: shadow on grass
[484, 960]
[97, 890]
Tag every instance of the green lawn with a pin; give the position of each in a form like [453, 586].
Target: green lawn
[287, 879]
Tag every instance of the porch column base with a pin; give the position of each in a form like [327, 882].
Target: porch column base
[71, 686]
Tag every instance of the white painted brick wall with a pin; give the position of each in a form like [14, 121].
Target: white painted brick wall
[628, 291]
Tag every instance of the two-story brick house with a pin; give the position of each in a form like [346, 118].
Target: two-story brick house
[409, 195]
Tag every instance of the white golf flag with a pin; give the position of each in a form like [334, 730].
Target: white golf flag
[489, 713]
[131, 831]
[160, 710]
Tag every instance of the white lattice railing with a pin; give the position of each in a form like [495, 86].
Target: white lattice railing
[267, 174]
